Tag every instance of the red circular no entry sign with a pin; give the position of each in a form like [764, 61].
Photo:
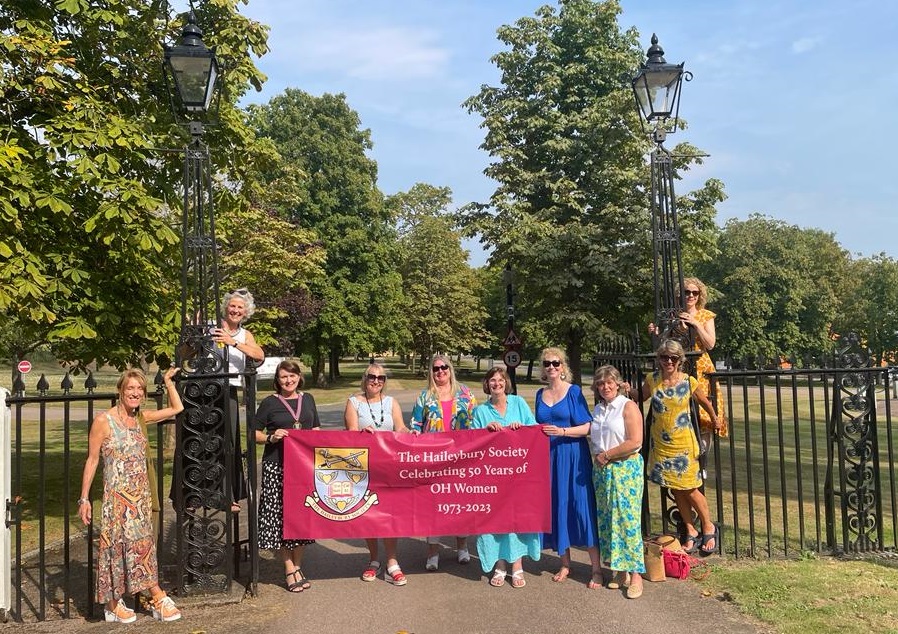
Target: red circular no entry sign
[24, 366]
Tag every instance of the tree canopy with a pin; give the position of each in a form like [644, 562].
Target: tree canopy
[89, 256]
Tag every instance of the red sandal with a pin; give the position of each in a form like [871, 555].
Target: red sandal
[396, 576]
[371, 571]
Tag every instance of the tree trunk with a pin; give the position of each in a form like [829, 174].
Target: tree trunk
[574, 355]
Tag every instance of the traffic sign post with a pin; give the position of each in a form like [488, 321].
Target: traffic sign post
[512, 358]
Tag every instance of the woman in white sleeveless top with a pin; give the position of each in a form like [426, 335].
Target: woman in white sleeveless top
[615, 438]
[372, 411]
[238, 344]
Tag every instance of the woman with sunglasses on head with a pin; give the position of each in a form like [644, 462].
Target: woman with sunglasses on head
[445, 405]
[504, 410]
[564, 415]
[673, 460]
[287, 411]
[372, 411]
[237, 344]
[701, 320]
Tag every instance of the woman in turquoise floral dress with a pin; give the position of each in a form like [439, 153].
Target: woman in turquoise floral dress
[673, 460]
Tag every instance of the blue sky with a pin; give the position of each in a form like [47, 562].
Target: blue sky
[784, 98]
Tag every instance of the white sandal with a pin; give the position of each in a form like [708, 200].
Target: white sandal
[433, 563]
[498, 579]
[464, 557]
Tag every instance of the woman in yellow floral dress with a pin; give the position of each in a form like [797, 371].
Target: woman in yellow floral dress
[702, 321]
[673, 447]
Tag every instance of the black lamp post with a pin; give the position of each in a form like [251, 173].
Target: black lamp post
[205, 457]
[657, 89]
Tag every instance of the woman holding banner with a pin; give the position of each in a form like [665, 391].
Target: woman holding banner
[371, 411]
[504, 410]
[565, 417]
[286, 411]
[445, 405]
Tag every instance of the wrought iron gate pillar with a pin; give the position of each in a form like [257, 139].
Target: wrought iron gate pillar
[203, 461]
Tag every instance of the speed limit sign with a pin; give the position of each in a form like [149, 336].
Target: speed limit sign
[512, 358]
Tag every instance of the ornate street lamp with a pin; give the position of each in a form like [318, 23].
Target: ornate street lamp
[656, 87]
[204, 460]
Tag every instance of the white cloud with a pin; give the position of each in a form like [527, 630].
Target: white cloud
[379, 53]
[804, 45]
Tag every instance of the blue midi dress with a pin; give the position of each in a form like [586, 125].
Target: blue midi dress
[570, 464]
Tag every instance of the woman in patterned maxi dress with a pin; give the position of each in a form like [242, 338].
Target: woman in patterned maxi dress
[673, 449]
[126, 556]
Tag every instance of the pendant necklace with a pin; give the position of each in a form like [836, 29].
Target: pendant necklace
[371, 412]
[293, 414]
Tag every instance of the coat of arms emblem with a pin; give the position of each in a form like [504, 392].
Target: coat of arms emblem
[341, 483]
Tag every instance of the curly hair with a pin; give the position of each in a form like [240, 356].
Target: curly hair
[242, 294]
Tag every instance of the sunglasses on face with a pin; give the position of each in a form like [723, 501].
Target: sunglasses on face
[440, 368]
[554, 364]
[691, 293]
[668, 358]
[376, 378]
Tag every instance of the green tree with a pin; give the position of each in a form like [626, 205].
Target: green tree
[338, 199]
[88, 254]
[444, 306]
[869, 305]
[570, 211]
[779, 287]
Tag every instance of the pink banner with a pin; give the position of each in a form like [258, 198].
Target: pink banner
[340, 484]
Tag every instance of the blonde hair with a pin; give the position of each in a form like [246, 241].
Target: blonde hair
[365, 374]
[702, 291]
[671, 347]
[127, 375]
[554, 352]
[431, 386]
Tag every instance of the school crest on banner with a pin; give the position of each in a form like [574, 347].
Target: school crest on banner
[341, 483]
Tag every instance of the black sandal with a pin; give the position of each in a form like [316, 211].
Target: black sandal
[707, 538]
[691, 543]
[303, 582]
[295, 585]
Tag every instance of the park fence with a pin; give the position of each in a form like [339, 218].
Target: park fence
[50, 550]
[809, 461]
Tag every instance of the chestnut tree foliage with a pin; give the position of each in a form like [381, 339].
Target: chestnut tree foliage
[90, 171]
[570, 210]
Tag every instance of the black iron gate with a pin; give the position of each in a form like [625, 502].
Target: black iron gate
[809, 463]
[52, 553]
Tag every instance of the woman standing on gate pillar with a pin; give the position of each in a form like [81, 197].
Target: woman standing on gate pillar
[239, 343]
[126, 556]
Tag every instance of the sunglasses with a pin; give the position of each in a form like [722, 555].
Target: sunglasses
[691, 293]
[554, 364]
[668, 358]
[440, 368]
[376, 378]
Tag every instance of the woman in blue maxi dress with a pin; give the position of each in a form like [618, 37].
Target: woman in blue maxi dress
[562, 411]
[504, 411]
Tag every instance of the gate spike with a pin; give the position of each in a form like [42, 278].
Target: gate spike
[18, 385]
[43, 385]
[90, 383]
[67, 384]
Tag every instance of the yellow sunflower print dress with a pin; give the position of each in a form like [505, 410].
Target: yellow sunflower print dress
[673, 447]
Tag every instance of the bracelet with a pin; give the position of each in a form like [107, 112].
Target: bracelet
[563, 431]
[268, 439]
[83, 501]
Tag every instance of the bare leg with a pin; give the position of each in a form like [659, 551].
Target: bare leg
[565, 569]
[372, 548]
[596, 580]
[390, 548]
[684, 506]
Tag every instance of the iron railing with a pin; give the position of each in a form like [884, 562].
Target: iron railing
[53, 559]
